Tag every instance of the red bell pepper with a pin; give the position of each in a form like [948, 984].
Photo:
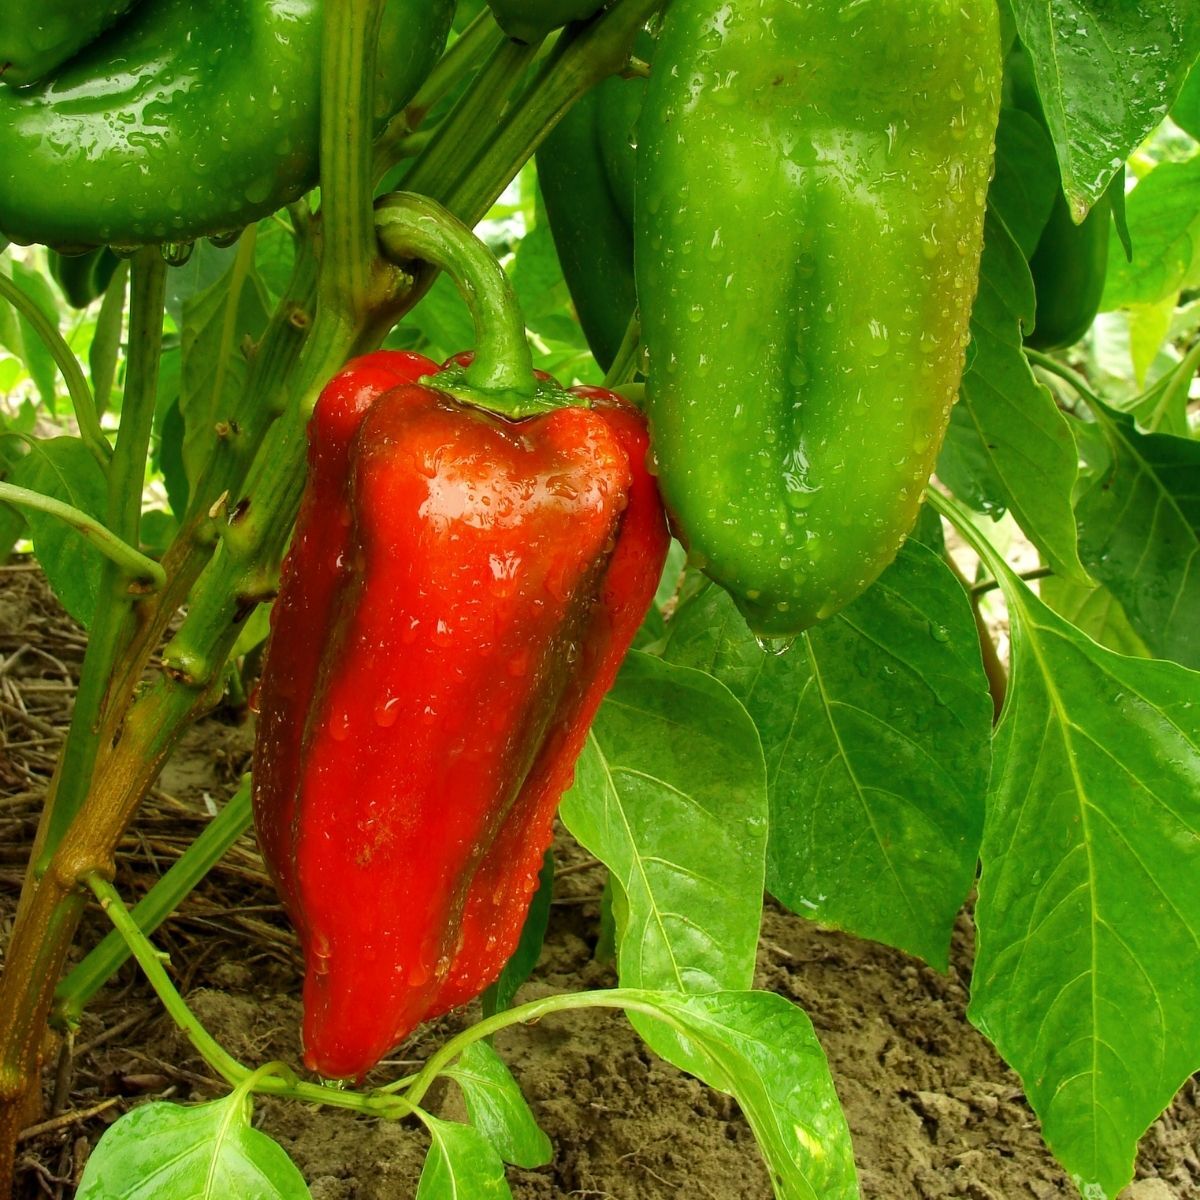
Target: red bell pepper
[459, 595]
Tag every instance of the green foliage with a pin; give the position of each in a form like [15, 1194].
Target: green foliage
[204, 1151]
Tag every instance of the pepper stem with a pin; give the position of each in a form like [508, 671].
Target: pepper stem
[500, 378]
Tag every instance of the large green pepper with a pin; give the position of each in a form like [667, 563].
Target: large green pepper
[586, 169]
[182, 122]
[1070, 262]
[531, 20]
[38, 35]
[811, 187]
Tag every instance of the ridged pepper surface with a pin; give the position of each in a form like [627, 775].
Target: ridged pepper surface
[812, 180]
[185, 120]
[460, 592]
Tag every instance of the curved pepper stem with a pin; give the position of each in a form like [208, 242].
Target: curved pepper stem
[501, 377]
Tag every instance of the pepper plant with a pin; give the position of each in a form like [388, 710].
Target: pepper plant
[794, 233]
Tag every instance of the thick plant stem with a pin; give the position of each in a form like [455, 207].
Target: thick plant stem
[110, 628]
[355, 305]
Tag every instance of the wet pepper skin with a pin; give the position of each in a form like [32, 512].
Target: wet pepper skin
[186, 120]
[811, 186]
[459, 596]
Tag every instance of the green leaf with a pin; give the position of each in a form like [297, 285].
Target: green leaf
[28, 346]
[1088, 962]
[1140, 533]
[213, 372]
[1009, 426]
[64, 469]
[1105, 73]
[876, 728]
[1164, 223]
[461, 1165]
[1026, 182]
[1096, 612]
[520, 965]
[497, 1108]
[1163, 406]
[1185, 112]
[205, 1152]
[762, 1050]
[670, 794]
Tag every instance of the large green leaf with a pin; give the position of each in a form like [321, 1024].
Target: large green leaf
[1105, 72]
[206, 1152]
[1087, 976]
[1140, 533]
[876, 729]
[670, 794]
[1008, 427]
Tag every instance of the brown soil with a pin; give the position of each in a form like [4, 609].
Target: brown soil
[934, 1112]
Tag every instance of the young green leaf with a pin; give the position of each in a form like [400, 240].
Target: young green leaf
[876, 729]
[497, 1108]
[1008, 421]
[1096, 612]
[670, 794]
[762, 1050]
[461, 1165]
[216, 323]
[1139, 526]
[1164, 222]
[65, 469]
[203, 1152]
[1089, 914]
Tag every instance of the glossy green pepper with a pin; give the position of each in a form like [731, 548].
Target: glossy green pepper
[83, 277]
[531, 20]
[586, 172]
[1070, 262]
[811, 186]
[177, 124]
[39, 36]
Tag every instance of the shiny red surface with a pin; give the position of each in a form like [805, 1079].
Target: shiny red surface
[459, 597]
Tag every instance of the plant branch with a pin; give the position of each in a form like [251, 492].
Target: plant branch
[86, 979]
[143, 573]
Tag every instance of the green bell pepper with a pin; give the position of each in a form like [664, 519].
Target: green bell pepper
[83, 277]
[37, 37]
[1070, 263]
[811, 186]
[531, 20]
[182, 122]
[586, 172]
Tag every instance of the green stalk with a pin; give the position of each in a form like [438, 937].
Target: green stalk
[477, 41]
[473, 120]
[86, 979]
[143, 573]
[500, 377]
[109, 630]
[86, 416]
